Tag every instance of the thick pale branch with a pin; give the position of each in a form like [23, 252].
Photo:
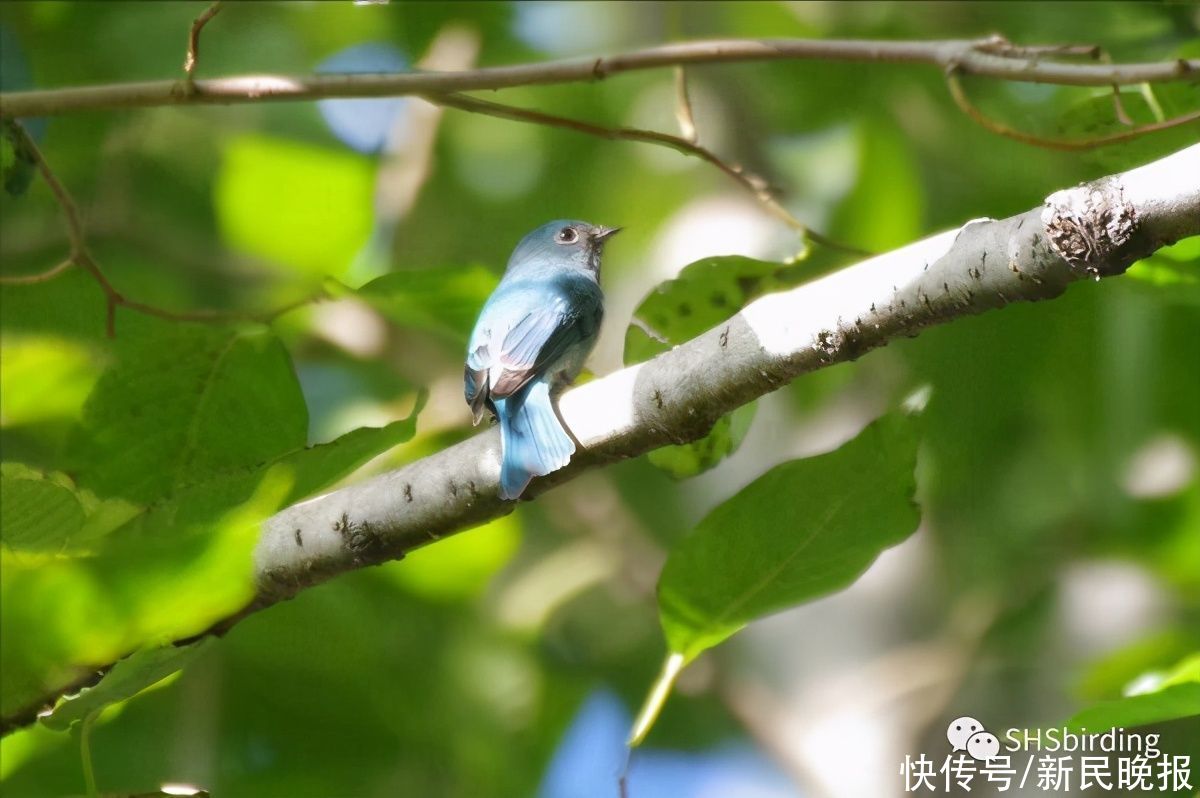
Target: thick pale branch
[991, 57]
[1093, 230]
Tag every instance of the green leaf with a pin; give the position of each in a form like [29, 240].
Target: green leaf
[1173, 271]
[1171, 703]
[317, 467]
[885, 207]
[184, 403]
[1106, 677]
[55, 375]
[208, 437]
[461, 566]
[1096, 117]
[444, 301]
[704, 294]
[689, 459]
[304, 206]
[127, 678]
[37, 512]
[1164, 696]
[70, 305]
[803, 529]
[306, 470]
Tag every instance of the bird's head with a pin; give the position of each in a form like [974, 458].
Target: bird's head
[562, 244]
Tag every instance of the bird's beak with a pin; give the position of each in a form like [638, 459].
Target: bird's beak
[602, 233]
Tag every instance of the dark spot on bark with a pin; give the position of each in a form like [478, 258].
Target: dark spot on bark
[453, 488]
[946, 287]
[364, 542]
[407, 492]
[360, 539]
[724, 337]
[299, 539]
[658, 400]
[827, 343]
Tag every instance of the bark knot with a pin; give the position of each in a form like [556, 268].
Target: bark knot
[1087, 224]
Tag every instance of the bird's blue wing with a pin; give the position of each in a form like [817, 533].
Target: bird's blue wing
[522, 335]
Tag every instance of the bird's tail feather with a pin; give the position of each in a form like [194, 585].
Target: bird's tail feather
[533, 440]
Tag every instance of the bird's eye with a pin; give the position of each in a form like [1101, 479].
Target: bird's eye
[567, 235]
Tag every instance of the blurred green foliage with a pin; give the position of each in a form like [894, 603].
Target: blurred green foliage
[137, 468]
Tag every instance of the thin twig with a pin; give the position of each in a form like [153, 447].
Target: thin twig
[24, 144]
[752, 183]
[193, 46]
[971, 55]
[1066, 145]
[31, 279]
[683, 107]
[80, 256]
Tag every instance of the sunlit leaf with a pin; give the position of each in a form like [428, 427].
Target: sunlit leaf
[460, 566]
[1171, 703]
[54, 373]
[126, 679]
[306, 207]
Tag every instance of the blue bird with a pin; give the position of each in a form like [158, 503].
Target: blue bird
[532, 337]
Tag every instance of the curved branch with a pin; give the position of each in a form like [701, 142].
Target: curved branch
[1064, 145]
[192, 57]
[752, 183]
[991, 57]
[1095, 229]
